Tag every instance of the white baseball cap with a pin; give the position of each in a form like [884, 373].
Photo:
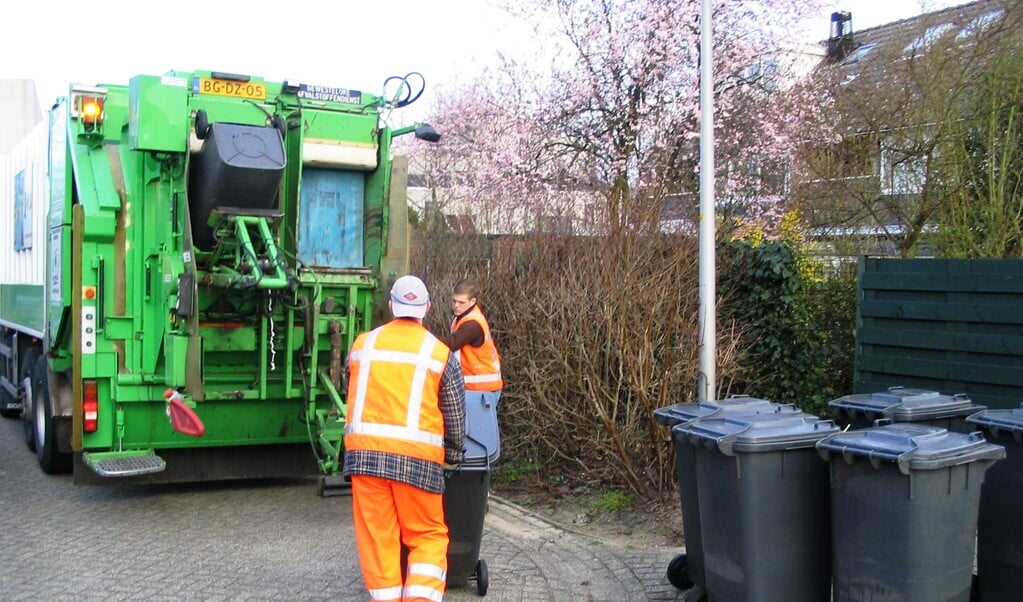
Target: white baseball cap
[409, 298]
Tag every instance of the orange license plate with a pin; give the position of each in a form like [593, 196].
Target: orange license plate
[226, 87]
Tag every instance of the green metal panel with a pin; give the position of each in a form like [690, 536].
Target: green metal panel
[58, 265]
[948, 325]
[22, 305]
[176, 353]
[159, 119]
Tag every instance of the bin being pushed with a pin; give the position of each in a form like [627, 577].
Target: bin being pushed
[904, 503]
[467, 491]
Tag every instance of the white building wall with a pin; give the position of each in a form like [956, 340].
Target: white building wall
[20, 108]
[29, 158]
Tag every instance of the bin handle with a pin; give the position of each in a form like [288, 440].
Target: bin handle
[873, 456]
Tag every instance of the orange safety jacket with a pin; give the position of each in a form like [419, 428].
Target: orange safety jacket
[481, 366]
[393, 392]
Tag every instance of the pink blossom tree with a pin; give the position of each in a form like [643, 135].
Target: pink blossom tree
[601, 123]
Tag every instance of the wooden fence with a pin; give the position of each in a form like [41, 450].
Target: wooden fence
[947, 325]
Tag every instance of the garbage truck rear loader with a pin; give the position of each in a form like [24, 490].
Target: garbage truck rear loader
[205, 247]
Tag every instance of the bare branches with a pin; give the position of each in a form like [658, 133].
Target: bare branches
[595, 335]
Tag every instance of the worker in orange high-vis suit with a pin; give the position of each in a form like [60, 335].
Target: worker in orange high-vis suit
[405, 432]
[477, 354]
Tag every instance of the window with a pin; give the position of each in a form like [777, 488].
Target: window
[766, 71]
[552, 224]
[23, 209]
[858, 54]
[929, 36]
[979, 25]
[902, 172]
[460, 223]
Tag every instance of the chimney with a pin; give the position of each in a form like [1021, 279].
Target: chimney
[840, 41]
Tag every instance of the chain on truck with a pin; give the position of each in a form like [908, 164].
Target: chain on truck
[197, 253]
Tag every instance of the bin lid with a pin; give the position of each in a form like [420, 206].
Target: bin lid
[684, 412]
[910, 446]
[776, 430]
[1008, 421]
[908, 405]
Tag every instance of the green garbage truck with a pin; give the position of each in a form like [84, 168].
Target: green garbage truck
[190, 257]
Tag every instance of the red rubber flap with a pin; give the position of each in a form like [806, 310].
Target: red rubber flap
[183, 418]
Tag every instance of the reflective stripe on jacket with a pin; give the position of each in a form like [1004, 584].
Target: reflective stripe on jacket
[481, 366]
[393, 402]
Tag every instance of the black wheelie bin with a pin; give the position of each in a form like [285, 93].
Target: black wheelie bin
[999, 527]
[764, 508]
[686, 571]
[901, 404]
[466, 493]
[904, 504]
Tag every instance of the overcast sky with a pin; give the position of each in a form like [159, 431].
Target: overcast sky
[326, 42]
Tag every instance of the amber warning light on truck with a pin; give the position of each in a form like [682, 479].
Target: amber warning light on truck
[92, 109]
[87, 106]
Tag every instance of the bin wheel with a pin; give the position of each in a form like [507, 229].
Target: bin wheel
[678, 572]
[202, 124]
[278, 124]
[482, 577]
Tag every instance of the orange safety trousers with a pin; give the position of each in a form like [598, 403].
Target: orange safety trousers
[387, 514]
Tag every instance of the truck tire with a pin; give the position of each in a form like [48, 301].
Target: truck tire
[28, 366]
[51, 459]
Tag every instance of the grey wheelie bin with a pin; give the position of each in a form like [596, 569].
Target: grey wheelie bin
[999, 527]
[466, 494]
[901, 404]
[904, 503]
[686, 571]
[764, 511]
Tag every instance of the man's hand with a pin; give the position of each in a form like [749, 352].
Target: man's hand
[450, 470]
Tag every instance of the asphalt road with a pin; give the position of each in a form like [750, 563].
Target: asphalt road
[263, 540]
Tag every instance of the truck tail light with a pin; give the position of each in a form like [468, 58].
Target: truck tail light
[90, 407]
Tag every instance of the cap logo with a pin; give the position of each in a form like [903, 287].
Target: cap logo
[410, 296]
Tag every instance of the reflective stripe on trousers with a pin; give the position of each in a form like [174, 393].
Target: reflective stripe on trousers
[386, 512]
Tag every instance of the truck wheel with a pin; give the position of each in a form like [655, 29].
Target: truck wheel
[28, 365]
[51, 460]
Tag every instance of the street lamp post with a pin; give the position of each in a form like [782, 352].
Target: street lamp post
[707, 278]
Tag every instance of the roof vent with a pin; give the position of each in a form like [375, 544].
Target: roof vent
[840, 42]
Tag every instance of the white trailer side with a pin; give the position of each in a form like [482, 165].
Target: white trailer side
[24, 200]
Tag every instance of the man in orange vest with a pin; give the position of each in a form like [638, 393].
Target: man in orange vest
[470, 337]
[405, 429]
